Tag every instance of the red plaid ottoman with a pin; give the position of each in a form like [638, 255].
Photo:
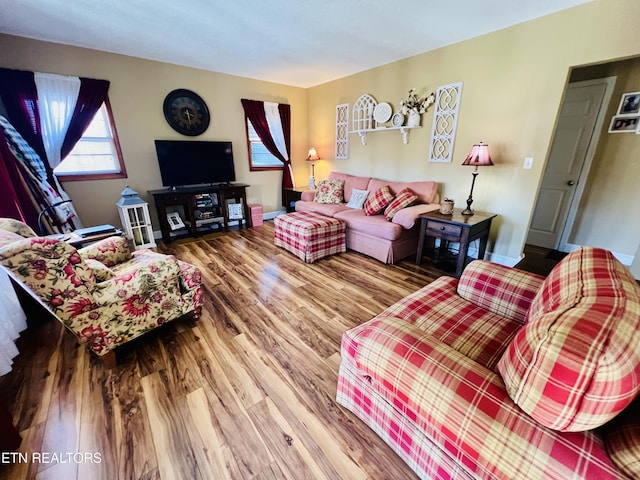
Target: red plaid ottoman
[310, 236]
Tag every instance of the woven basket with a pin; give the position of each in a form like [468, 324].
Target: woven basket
[446, 207]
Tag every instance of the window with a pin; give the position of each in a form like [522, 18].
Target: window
[259, 156]
[97, 154]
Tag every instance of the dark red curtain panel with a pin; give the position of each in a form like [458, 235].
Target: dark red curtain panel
[254, 110]
[20, 98]
[92, 95]
[15, 201]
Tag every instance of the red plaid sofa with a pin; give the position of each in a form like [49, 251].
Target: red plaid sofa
[504, 374]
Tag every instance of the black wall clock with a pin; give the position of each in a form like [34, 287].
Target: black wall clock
[186, 112]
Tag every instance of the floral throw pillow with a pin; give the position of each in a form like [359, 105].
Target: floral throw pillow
[403, 199]
[330, 191]
[378, 201]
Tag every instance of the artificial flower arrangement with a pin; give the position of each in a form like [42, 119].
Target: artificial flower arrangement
[414, 103]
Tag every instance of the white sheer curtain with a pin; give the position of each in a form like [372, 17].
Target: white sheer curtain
[57, 97]
[272, 114]
[12, 322]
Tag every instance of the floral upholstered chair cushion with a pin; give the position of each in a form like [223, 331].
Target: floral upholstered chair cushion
[104, 304]
[110, 251]
[16, 226]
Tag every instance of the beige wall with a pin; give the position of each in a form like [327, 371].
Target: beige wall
[514, 80]
[137, 90]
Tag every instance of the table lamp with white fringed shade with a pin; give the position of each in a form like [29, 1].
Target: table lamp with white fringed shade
[312, 157]
[478, 157]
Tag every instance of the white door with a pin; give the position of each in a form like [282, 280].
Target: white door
[575, 131]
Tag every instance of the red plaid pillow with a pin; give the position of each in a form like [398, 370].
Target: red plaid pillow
[576, 364]
[378, 201]
[404, 198]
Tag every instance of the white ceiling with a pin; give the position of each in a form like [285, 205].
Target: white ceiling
[292, 42]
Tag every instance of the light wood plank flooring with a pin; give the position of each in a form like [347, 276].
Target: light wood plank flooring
[245, 392]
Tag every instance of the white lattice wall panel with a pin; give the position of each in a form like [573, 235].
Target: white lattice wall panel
[445, 120]
[342, 131]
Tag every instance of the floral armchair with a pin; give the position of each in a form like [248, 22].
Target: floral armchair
[103, 293]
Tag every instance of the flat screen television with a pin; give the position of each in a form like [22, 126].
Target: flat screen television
[184, 162]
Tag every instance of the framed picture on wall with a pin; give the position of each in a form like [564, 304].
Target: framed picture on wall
[629, 104]
[624, 124]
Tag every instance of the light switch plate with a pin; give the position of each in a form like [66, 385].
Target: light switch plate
[528, 163]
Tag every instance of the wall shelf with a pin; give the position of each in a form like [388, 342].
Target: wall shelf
[403, 130]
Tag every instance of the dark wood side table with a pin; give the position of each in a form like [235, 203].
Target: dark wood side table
[291, 196]
[78, 241]
[458, 228]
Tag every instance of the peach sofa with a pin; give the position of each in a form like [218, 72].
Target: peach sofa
[386, 241]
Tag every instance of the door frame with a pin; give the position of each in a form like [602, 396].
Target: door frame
[563, 243]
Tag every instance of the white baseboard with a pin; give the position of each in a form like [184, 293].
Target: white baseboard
[272, 215]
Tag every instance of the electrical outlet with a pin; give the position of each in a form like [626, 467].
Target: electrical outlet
[528, 163]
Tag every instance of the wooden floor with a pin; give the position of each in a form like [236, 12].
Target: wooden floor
[536, 260]
[245, 392]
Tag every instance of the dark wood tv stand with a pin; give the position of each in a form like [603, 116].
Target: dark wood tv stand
[202, 209]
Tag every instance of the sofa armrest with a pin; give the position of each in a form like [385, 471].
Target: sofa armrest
[190, 276]
[502, 290]
[465, 408]
[16, 226]
[53, 271]
[308, 195]
[408, 216]
[110, 251]
[191, 287]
